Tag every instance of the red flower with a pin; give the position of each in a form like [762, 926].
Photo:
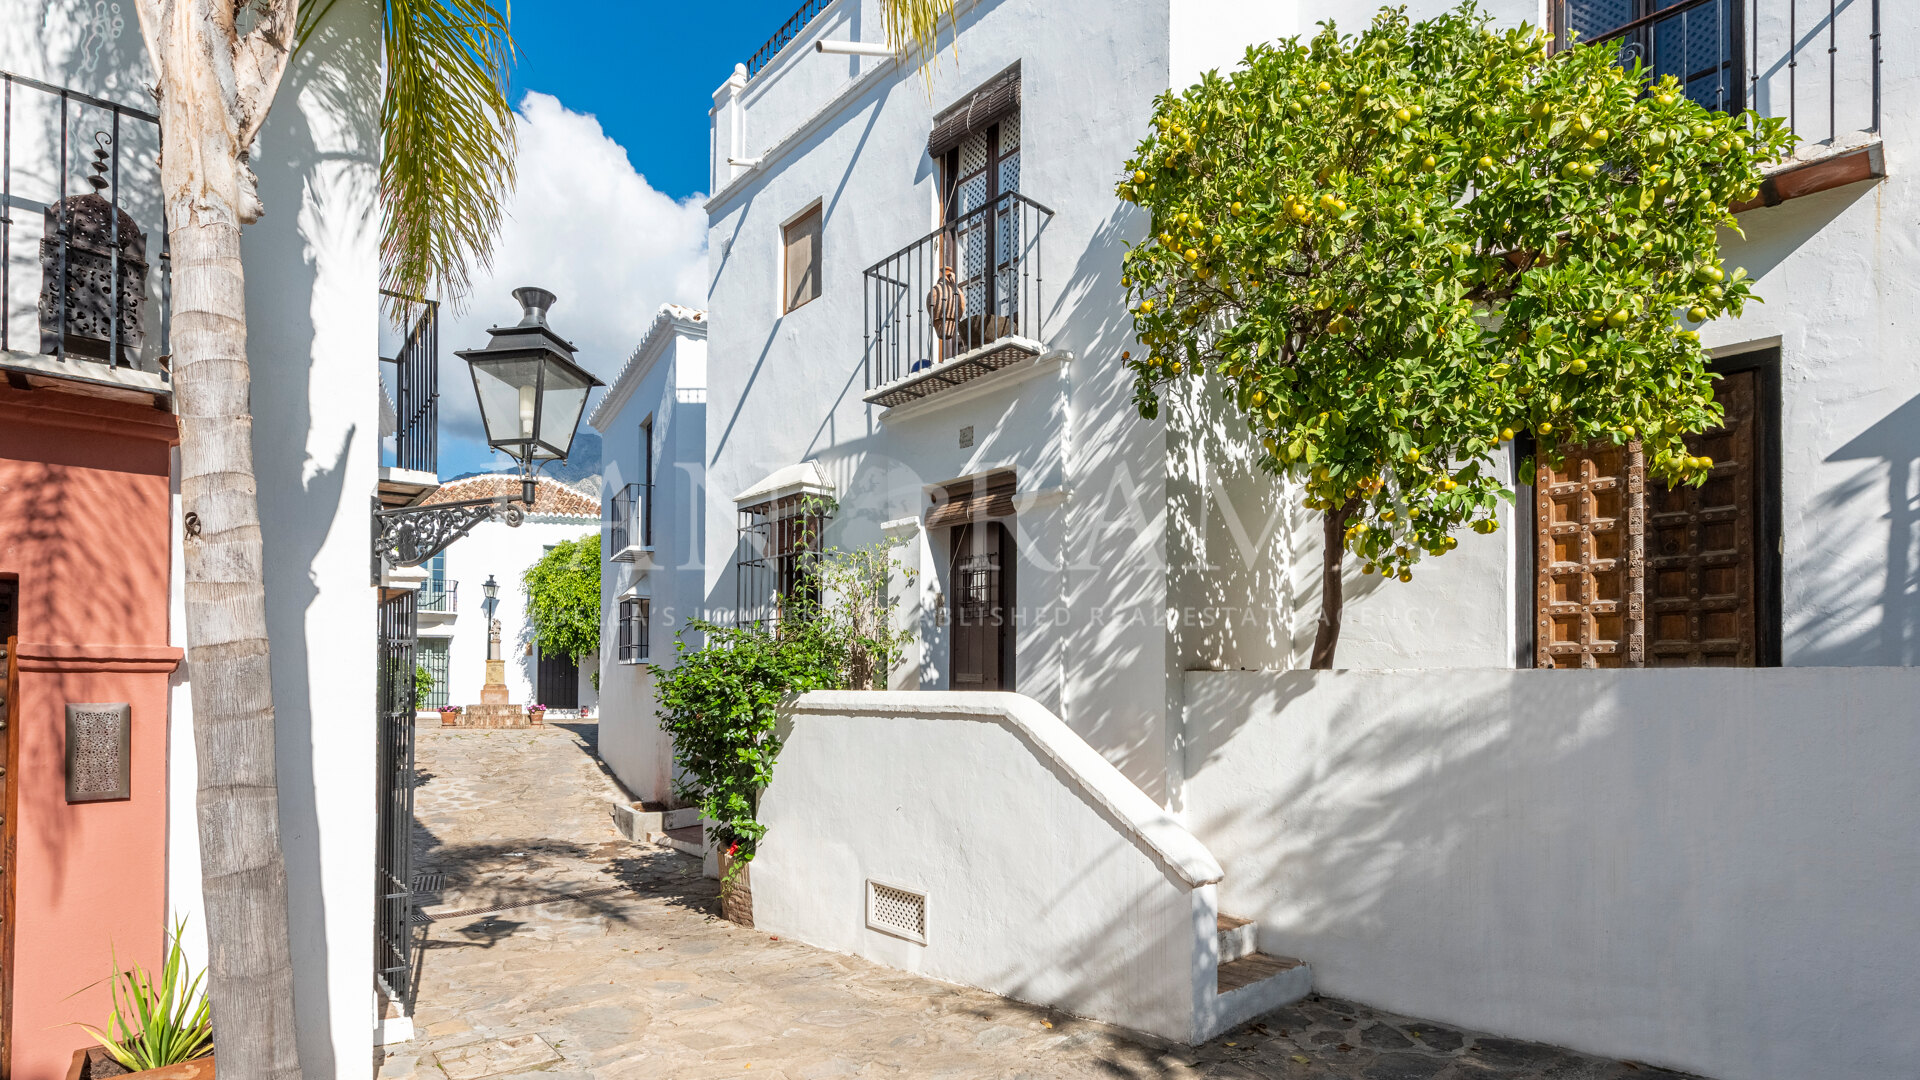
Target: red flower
[733, 849]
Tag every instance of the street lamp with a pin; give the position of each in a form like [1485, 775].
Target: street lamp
[531, 392]
[531, 395]
[491, 590]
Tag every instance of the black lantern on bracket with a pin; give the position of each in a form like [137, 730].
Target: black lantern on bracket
[531, 392]
[531, 396]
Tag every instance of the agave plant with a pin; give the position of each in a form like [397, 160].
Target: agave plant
[157, 1022]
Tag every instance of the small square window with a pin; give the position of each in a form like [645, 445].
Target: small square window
[802, 275]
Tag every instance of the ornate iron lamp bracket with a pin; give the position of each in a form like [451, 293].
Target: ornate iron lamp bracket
[410, 535]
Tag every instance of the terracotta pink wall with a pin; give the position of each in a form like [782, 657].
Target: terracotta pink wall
[84, 524]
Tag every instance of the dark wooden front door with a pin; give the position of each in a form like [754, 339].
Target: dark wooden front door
[1632, 573]
[557, 682]
[980, 574]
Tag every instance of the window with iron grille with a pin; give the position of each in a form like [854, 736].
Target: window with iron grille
[636, 629]
[1697, 42]
[431, 653]
[780, 543]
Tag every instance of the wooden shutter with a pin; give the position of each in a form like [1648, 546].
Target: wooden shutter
[1701, 560]
[1588, 547]
[982, 497]
[803, 259]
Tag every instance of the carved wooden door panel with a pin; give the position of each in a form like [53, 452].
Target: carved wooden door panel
[1701, 580]
[1587, 513]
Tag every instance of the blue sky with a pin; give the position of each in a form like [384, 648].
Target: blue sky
[647, 71]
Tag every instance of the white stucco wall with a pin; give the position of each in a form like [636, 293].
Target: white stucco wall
[665, 383]
[1090, 638]
[495, 548]
[1710, 870]
[313, 272]
[1047, 876]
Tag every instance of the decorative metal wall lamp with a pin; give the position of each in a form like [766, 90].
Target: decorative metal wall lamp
[531, 397]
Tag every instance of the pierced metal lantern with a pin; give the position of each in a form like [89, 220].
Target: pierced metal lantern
[946, 305]
[93, 230]
[531, 392]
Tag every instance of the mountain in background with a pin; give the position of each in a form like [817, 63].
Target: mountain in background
[581, 469]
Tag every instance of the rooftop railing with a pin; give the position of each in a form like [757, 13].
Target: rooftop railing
[787, 32]
[86, 171]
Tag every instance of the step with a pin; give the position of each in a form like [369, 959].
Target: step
[687, 840]
[1237, 937]
[640, 825]
[1252, 986]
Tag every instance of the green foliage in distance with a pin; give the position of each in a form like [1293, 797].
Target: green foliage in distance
[721, 701]
[563, 598]
[1400, 248]
[422, 685]
[157, 1021]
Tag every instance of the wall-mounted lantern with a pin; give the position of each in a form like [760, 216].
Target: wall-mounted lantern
[531, 396]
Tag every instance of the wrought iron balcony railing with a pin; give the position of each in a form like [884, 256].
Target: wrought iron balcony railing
[439, 596]
[416, 384]
[630, 522]
[1814, 62]
[788, 31]
[958, 303]
[86, 171]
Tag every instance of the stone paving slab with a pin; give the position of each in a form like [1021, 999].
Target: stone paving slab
[637, 976]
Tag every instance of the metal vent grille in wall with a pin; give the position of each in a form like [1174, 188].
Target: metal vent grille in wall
[897, 911]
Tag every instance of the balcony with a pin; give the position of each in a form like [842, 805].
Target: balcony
[438, 597]
[1814, 63]
[958, 304]
[410, 402]
[86, 170]
[630, 525]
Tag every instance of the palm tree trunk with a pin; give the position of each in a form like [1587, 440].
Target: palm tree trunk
[214, 90]
[1326, 638]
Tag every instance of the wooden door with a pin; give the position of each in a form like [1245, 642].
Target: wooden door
[1587, 514]
[1702, 607]
[981, 585]
[9, 799]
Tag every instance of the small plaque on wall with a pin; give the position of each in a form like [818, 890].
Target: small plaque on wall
[99, 751]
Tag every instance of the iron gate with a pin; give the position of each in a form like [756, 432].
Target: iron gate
[393, 877]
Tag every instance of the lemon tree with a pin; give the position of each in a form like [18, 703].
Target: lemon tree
[1393, 251]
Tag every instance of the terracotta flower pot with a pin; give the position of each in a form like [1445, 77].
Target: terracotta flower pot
[736, 892]
[536, 716]
[94, 1063]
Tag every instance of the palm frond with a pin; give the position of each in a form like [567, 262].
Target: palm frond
[447, 165]
[913, 29]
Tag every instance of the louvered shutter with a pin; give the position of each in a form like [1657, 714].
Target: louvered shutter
[1588, 514]
[1701, 577]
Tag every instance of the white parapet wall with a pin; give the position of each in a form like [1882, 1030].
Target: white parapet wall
[1046, 876]
[1714, 870]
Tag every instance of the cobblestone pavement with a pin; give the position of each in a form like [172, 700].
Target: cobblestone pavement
[557, 948]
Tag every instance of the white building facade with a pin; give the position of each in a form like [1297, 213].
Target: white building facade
[451, 600]
[653, 427]
[1144, 583]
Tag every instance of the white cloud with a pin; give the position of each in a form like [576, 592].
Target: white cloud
[583, 223]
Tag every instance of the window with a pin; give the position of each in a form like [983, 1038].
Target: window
[1695, 41]
[646, 482]
[802, 276]
[636, 629]
[1632, 573]
[780, 540]
[431, 653]
[977, 147]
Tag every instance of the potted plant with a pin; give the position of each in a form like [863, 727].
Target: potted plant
[159, 1029]
[536, 713]
[449, 715]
